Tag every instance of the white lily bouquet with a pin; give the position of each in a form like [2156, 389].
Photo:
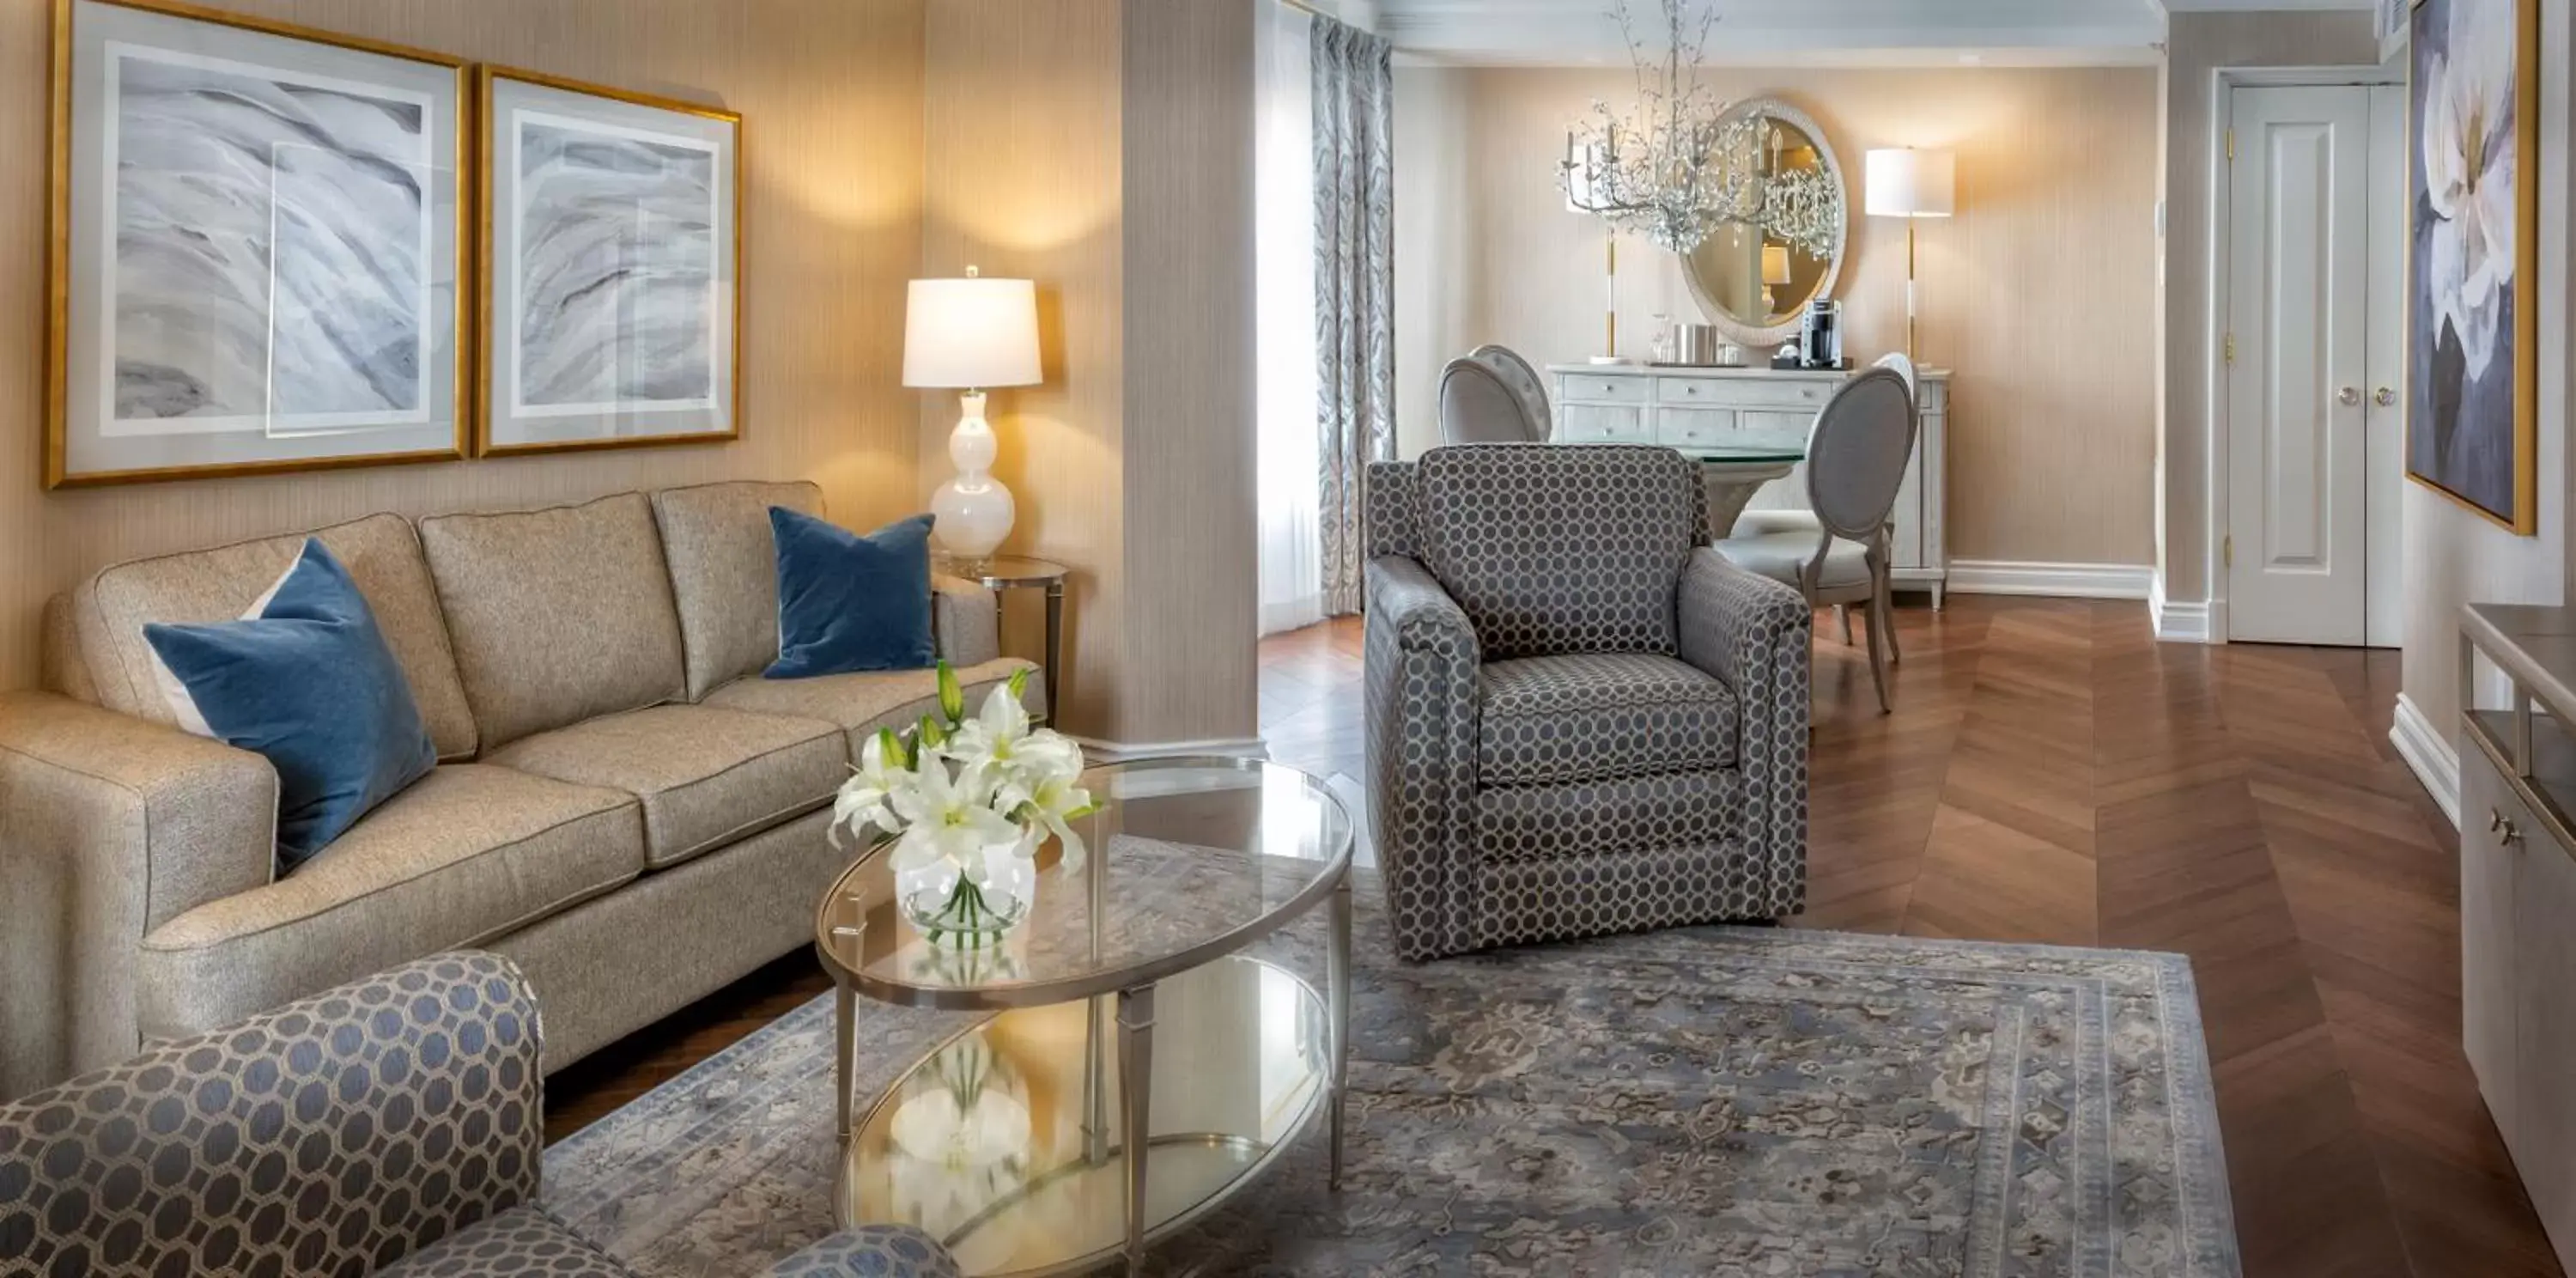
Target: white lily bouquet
[968, 803]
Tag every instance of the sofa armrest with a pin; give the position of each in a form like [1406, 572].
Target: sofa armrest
[1758, 636]
[870, 1251]
[1421, 658]
[963, 615]
[108, 827]
[332, 1135]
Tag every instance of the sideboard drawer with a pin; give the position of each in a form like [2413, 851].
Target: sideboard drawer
[1601, 388]
[1772, 423]
[1592, 423]
[1682, 427]
[1698, 390]
[1752, 392]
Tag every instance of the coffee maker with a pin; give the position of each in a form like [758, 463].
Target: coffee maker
[1820, 336]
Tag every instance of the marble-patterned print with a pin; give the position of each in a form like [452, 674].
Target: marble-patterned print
[617, 268]
[1702, 1101]
[271, 247]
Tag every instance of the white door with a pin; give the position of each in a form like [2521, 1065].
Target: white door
[2314, 293]
[2384, 462]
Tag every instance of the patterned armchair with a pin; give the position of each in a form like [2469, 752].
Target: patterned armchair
[391, 1126]
[1580, 718]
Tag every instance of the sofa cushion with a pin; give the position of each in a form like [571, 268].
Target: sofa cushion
[862, 703]
[469, 853]
[1578, 819]
[1599, 715]
[849, 601]
[724, 573]
[381, 553]
[558, 615]
[1558, 548]
[706, 776]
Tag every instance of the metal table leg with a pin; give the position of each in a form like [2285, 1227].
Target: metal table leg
[844, 1008]
[1337, 975]
[1054, 647]
[1135, 1096]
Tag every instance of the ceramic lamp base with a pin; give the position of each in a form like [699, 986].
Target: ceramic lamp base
[973, 512]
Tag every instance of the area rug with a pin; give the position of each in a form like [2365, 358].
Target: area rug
[1703, 1101]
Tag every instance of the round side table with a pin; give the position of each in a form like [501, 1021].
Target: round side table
[1013, 572]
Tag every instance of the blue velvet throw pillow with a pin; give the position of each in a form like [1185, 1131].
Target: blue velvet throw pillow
[304, 679]
[847, 602]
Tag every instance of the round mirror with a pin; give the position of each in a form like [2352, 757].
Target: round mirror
[1753, 285]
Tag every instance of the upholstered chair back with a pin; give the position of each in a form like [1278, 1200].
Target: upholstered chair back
[1559, 548]
[1857, 452]
[1522, 380]
[1478, 407]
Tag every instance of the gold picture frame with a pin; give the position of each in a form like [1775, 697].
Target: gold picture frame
[494, 242]
[2424, 347]
[61, 233]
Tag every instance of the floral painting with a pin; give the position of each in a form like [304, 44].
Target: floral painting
[2471, 205]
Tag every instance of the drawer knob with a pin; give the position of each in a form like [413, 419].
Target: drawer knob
[2506, 832]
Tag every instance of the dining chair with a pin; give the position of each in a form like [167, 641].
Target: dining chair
[1756, 522]
[1856, 459]
[1478, 404]
[1523, 381]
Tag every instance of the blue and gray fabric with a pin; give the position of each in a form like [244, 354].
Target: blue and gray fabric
[1354, 102]
[1579, 719]
[390, 1126]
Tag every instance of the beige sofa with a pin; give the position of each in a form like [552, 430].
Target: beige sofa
[622, 805]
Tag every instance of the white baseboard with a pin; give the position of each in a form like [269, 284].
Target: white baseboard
[2429, 752]
[2069, 581]
[1095, 750]
[2177, 621]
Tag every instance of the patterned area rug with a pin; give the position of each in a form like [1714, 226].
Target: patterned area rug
[1704, 1101]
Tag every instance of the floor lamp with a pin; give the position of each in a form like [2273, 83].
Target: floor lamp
[1911, 184]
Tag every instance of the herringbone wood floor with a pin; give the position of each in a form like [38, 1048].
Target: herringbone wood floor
[2052, 774]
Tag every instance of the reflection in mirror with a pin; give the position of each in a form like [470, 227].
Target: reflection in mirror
[1750, 282]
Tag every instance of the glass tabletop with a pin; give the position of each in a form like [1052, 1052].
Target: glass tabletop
[1750, 447]
[997, 571]
[1190, 859]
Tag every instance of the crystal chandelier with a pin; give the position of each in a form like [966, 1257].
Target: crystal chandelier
[1682, 165]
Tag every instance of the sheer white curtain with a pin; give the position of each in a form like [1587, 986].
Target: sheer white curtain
[1292, 578]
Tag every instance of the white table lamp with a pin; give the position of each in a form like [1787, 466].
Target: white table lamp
[969, 334]
[1907, 183]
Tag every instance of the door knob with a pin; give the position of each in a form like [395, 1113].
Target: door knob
[2385, 398]
[2348, 396]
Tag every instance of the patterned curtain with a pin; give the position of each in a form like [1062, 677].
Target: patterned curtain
[1354, 285]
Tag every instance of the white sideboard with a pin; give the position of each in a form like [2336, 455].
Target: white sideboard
[1682, 406]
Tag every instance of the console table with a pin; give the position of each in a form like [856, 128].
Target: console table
[1685, 407]
[2518, 892]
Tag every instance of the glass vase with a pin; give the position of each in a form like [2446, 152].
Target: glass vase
[975, 904]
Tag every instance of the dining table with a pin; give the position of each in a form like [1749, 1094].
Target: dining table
[1734, 469]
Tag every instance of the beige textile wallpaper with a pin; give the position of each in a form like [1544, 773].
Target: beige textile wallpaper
[832, 95]
[1103, 148]
[2039, 295]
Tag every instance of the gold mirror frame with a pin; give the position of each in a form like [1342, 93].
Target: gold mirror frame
[1746, 332]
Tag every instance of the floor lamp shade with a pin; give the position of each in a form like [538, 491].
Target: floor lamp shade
[1907, 183]
[968, 334]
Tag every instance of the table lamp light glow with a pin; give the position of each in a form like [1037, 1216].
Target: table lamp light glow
[1911, 184]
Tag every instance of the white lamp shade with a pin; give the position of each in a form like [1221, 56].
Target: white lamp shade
[1904, 182]
[1775, 264]
[971, 332]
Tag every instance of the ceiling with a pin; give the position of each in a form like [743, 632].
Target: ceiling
[1803, 32]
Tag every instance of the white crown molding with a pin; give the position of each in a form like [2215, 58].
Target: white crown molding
[2070, 581]
[2430, 754]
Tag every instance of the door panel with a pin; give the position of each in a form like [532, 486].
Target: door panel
[2384, 452]
[2297, 275]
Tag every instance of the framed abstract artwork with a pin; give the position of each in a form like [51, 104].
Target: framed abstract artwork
[255, 247]
[611, 270]
[2473, 212]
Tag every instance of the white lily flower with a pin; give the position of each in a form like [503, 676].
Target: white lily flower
[948, 818]
[864, 799]
[1000, 737]
[1055, 803]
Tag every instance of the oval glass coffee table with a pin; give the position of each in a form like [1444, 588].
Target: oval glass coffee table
[1128, 1016]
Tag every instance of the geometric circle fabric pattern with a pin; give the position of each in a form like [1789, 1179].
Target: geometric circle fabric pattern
[1560, 548]
[334, 1135]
